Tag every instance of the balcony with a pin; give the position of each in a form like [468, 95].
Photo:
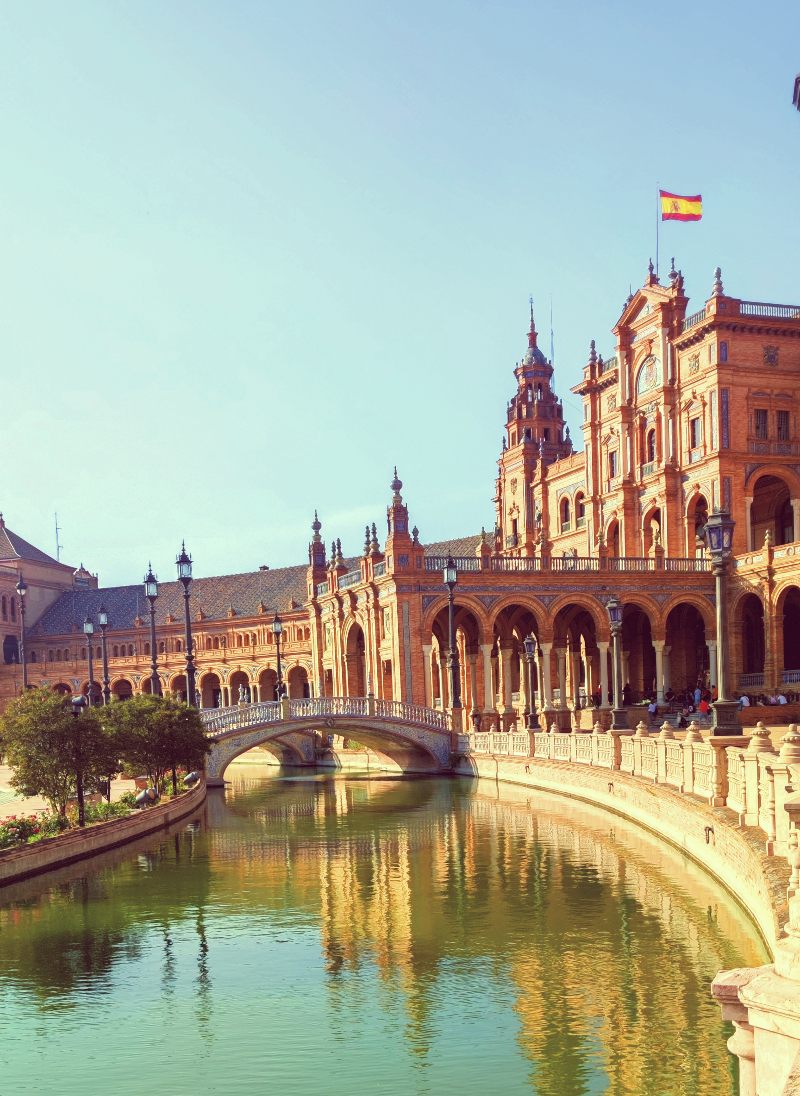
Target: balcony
[649, 469]
[352, 578]
[511, 540]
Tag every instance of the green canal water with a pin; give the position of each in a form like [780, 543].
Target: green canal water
[331, 935]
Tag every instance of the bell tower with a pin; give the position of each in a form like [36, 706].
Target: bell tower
[535, 434]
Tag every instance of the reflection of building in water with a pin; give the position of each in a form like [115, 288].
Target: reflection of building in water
[624, 943]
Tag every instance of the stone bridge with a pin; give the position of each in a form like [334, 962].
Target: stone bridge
[413, 737]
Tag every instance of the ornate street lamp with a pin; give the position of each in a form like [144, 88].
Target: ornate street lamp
[88, 631]
[277, 631]
[450, 579]
[151, 593]
[78, 704]
[619, 721]
[102, 620]
[22, 589]
[184, 565]
[529, 645]
[719, 537]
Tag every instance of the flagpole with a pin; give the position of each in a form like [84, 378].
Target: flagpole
[658, 218]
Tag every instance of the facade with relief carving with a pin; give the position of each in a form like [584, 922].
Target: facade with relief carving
[688, 411]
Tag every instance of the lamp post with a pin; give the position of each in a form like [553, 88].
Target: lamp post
[450, 580]
[184, 565]
[102, 620]
[22, 589]
[151, 593]
[619, 720]
[719, 536]
[277, 631]
[88, 631]
[529, 646]
[78, 704]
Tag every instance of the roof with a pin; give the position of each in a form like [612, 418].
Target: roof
[245, 593]
[460, 546]
[13, 546]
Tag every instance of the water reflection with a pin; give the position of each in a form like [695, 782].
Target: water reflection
[417, 936]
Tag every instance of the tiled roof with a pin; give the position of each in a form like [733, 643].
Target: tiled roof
[13, 546]
[215, 596]
[460, 546]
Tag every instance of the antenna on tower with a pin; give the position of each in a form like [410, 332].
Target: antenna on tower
[58, 542]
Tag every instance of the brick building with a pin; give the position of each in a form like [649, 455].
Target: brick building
[687, 412]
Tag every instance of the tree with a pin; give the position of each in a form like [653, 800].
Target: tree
[52, 752]
[158, 734]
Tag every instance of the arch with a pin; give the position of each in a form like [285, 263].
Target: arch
[62, 688]
[638, 653]
[696, 518]
[576, 625]
[177, 686]
[122, 689]
[651, 529]
[771, 510]
[462, 601]
[239, 687]
[356, 660]
[210, 687]
[115, 651]
[788, 612]
[268, 684]
[297, 682]
[749, 625]
[580, 510]
[565, 514]
[96, 692]
[650, 446]
[686, 636]
[613, 538]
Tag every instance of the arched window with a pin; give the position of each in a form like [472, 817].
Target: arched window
[130, 649]
[33, 656]
[178, 645]
[216, 643]
[115, 651]
[162, 648]
[13, 607]
[238, 640]
[147, 648]
[50, 656]
[580, 511]
[651, 446]
[565, 515]
[4, 607]
[538, 391]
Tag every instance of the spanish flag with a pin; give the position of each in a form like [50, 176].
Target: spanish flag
[680, 207]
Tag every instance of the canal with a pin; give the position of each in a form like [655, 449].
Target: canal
[313, 934]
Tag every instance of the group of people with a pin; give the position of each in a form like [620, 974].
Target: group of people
[762, 699]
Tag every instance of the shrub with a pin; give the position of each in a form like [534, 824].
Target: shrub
[17, 829]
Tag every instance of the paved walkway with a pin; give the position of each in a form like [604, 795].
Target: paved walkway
[12, 803]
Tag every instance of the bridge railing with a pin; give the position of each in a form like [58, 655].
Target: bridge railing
[219, 721]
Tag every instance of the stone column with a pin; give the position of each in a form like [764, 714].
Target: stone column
[523, 685]
[658, 646]
[603, 649]
[725, 988]
[712, 661]
[505, 679]
[254, 692]
[427, 650]
[575, 666]
[796, 519]
[625, 658]
[667, 671]
[561, 662]
[546, 688]
[488, 683]
[473, 680]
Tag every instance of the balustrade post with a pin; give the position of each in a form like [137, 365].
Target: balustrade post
[766, 807]
[284, 707]
[692, 735]
[719, 787]
[725, 990]
[759, 744]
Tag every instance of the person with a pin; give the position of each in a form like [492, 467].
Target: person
[596, 698]
[704, 707]
[669, 695]
[627, 695]
[744, 701]
[652, 708]
[782, 699]
[697, 695]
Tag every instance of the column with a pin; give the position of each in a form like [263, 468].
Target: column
[658, 646]
[444, 680]
[561, 662]
[625, 658]
[427, 649]
[488, 683]
[473, 680]
[505, 678]
[575, 667]
[667, 670]
[523, 684]
[796, 519]
[603, 649]
[254, 692]
[712, 661]
[748, 527]
[545, 688]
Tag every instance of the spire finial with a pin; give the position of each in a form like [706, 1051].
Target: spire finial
[530, 301]
[366, 540]
[673, 273]
[592, 352]
[718, 286]
[396, 486]
[532, 329]
[316, 524]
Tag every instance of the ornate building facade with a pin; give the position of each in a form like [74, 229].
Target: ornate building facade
[688, 412]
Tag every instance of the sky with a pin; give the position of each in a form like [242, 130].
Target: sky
[256, 254]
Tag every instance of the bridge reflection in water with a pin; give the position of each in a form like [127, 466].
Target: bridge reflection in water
[390, 935]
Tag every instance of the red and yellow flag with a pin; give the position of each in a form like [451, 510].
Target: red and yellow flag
[680, 207]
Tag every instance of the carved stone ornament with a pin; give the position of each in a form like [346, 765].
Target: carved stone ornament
[611, 403]
[770, 355]
[514, 486]
[694, 364]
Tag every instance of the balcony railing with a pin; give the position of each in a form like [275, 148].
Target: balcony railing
[322, 588]
[699, 564]
[751, 681]
[769, 311]
[631, 563]
[511, 540]
[790, 677]
[776, 448]
[574, 563]
[613, 483]
[352, 578]
[379, 569]
[580, 522]
[503, 563]
[695, 318]
[463, 563]
[648, 469]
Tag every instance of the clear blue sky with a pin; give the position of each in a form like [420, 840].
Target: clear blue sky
[255, 254]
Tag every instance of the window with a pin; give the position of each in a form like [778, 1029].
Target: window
[723, 351]
[130, 649]
[147, 648]
[565, 515]
[761, 423]
[784, 428]
[547, 434]
[580, 511]
[612, 464]
[33, 656]
[13, 607]
[4, 607]
[651, 446]
[694, 432]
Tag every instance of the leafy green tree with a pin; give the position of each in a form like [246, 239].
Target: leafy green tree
[157, 735]
[53, 753]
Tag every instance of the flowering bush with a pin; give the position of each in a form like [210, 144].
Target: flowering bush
[16, 830]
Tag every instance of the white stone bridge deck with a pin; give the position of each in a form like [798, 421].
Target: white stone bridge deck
[416, 738]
